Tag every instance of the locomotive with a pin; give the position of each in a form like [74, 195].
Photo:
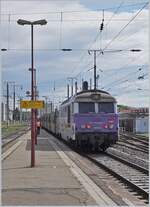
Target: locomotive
[88, 120]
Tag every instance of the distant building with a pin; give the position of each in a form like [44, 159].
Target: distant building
[4, 109]
[142, 124]
[134, 120]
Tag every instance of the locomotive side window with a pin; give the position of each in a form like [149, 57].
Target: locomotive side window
[86, 107]
[106, 107]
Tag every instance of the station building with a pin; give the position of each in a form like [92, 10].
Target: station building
[134, 120]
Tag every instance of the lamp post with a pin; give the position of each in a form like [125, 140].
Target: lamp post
[33, 126]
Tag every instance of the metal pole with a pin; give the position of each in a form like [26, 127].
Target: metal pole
[20, 112]
[35, 110]
[7, 103]
[71, 86]
[32, 110]
[76, 87]
[14, 104]
[51, 106]
[68, 91]
[90, 83]
[94, 69]
[46, 104]
[82, 83]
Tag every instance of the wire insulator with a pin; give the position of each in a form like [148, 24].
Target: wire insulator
[102, 26]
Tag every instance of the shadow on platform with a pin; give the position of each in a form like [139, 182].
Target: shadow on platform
[42, 145]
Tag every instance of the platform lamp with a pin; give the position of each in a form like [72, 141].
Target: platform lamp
[33, 115]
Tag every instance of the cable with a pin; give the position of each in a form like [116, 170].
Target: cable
[125, 26]
[79, 11]
[129, 85]
[82, 57]
[128, 76]
[115, 13]
[114, 71]
[107, 22]
[121, 79]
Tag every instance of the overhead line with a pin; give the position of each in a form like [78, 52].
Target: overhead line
[78, 20]
[110, 19]
[71, 50]
[106, 24]
[121, 80]
[129, 83]
[79, 11]
[125, 26]
[124, 67]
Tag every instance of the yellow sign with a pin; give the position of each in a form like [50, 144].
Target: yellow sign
[32, 104]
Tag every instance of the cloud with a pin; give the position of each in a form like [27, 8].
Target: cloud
[57, 65]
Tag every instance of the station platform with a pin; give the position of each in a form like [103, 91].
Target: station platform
[55, 179]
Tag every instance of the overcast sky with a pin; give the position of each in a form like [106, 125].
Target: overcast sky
[75, 24]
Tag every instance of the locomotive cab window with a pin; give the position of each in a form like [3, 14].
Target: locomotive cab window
[86, 107]
[106, 107]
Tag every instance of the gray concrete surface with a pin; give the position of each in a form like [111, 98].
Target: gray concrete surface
[49, 183]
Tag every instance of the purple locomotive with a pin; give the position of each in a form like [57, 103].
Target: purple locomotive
[88, 120]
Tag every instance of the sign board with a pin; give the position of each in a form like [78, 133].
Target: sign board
[32, 104]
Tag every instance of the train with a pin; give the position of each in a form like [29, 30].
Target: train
[88, 120]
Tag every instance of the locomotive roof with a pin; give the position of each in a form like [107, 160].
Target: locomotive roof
[88, 91]
[101, 91]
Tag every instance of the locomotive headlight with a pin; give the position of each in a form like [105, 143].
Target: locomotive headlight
[88, 126]
[106, 126]
[111, 126]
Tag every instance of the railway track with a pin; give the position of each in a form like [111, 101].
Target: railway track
[130, 155]
[13, 137]
[136, 138]
[144, 138]
[132, 175]
[131, 146]
[135, 143]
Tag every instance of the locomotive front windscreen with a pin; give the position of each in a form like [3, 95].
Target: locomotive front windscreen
[86, 107]
[106, 107]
